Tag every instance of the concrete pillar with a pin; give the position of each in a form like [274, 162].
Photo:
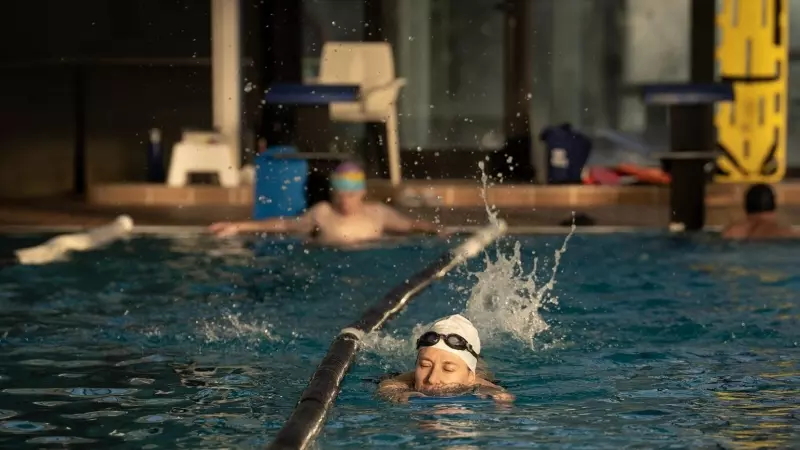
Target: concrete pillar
[656, 50]
[541, 20]
[567, 62]
[413, 49]
[226, 72]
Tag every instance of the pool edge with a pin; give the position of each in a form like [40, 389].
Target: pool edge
[183, 229]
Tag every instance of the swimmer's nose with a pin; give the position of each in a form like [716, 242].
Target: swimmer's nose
[433, 377]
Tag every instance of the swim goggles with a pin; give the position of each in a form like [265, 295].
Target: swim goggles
[453, 341]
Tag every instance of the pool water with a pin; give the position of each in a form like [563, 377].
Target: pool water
[192, 342]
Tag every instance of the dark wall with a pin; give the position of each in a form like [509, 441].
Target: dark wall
[130, 87]
[102, 28]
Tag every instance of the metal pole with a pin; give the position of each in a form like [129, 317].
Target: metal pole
[79, 156]
[517, 98]
[281, 26]
[692, 125]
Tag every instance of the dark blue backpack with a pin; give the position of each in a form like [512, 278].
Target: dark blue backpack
[567, 153]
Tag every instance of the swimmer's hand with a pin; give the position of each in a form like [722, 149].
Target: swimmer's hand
[403, 397]
[496, 394]
[399, 395]
[223, 229]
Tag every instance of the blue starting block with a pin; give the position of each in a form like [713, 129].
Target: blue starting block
[297, 114]
[311, 94]
[693, 145]
[687, 94]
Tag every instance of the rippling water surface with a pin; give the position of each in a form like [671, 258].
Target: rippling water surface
[190, 342]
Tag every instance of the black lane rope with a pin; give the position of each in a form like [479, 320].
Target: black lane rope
[308, 417]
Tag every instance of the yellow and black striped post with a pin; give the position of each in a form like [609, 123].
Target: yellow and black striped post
[753, 55]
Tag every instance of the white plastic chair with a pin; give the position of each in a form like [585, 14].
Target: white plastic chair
[202, 152]
[370, 65]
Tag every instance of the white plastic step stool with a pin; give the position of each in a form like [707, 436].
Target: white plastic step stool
[202, 152]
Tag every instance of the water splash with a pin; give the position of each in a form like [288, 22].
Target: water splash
[508, 298]
[491, 211]
[388, 344]
[232, 327]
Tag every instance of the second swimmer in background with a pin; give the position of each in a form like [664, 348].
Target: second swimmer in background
[347, 219]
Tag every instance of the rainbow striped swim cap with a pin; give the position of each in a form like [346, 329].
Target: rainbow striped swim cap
[348, 177]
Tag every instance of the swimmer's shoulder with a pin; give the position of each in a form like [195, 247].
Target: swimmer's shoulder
[486, 383]
[736, 230]
[758, 230]
[787, 231]
[404, 381]
[321, 207]
[406, 377]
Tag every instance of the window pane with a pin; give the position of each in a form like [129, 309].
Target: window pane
[451, 53]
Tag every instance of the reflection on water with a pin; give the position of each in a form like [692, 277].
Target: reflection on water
[198, 343]
[775, 412]
[448, 422]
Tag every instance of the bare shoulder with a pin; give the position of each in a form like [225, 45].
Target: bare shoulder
[402, 379]
[735, 231]
[320, 208]
[486, 383]
[323, 205]
[394, 388]
[788, 231]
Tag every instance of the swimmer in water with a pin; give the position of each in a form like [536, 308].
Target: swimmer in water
[347, 219]
[761, 221]
[448, 357]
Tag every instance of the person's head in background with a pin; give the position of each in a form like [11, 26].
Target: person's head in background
[348, 185]
[759, 201]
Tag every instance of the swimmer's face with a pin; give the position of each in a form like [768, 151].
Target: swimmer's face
[437, 370]
[348, 202]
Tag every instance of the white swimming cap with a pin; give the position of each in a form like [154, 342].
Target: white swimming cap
[460, 325]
